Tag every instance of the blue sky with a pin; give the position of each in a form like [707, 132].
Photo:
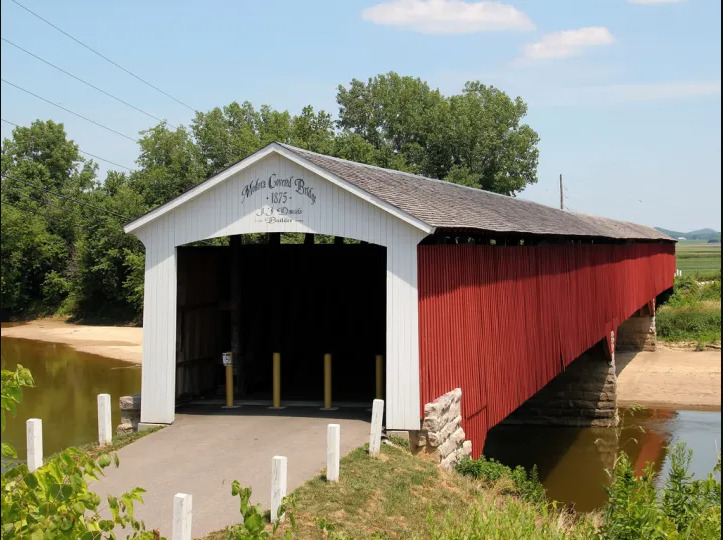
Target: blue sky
[625, 94]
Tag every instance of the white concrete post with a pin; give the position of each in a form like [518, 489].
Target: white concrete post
[333, 443]
[278, 486]
[105, 427]
[182, 514]
[375, 436]
[34, 437]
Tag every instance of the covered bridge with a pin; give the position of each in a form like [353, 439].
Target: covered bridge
[454, 286]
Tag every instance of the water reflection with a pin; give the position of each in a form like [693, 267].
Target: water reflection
[572, 461]
[67, 383]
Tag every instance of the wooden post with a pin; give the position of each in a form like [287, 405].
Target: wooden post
[182, 516]
[333, 444]
[327, 384]
[277, 381]
[278, 486]
[105, 426]
[380, 376]
[34, 438]
[375, 435]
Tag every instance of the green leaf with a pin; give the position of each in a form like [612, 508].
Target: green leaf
[104, 460]
[8, 451]
[30, 480]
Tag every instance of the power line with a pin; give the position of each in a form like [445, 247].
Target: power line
[67, 197]
[104, 57]
[86, 82]
[47, 203]
[71, 112]
[79, 150]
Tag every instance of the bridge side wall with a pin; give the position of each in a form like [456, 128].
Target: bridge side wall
[501, 322]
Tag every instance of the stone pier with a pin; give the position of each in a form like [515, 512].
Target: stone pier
[638, 333]
[441, 435]
[583, 395]
[130, 407]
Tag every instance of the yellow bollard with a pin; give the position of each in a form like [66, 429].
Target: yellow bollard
[277, 381]
[229, 386]
[228, 364]
[327, 381]
[380, 374]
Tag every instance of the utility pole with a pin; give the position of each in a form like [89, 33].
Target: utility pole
[562, 204]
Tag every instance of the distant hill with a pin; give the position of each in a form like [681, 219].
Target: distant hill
[702, 235]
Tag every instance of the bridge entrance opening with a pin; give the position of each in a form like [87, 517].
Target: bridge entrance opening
[302, 300]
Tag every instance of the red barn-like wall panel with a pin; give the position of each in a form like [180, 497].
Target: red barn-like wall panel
[501, 322]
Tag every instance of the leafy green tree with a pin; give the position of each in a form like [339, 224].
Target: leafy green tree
[475, 137]
[42, 174]
[106, 255]
[224, 136]
[486, 137]
[170, 163]
[313, 131]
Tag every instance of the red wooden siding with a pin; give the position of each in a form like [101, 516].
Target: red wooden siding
[500, 322]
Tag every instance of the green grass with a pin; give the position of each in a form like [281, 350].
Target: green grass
[700, 324]
[399, 495]
[692, 313]
[698, 260]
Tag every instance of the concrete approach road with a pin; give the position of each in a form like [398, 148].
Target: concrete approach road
[202, 452]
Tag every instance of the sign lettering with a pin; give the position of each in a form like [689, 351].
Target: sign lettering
[281, 198]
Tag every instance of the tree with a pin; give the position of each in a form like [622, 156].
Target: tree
[475, 137]
[486, 138]
[43, 175]
[107, 257]
[170, 163]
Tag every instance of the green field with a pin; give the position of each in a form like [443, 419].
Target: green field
[697, 259]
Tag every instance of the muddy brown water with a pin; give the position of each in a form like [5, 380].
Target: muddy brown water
[571, 461]
[67, 383]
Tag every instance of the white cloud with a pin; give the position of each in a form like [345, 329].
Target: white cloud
[650, 2]
[568, 43]
[448, 16]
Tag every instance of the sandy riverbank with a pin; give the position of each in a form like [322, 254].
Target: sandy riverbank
[670, 377]
[119, 342]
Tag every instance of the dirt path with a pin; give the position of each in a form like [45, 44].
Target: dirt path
[119, 342]
[670, 378]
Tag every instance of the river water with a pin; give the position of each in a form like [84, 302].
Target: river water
[67, 383]
[571, 461]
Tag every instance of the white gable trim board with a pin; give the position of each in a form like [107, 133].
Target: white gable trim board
[275, 191]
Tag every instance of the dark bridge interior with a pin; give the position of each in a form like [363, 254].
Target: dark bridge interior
[301, 300]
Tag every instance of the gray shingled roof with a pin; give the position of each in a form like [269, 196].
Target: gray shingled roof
[451, 206]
